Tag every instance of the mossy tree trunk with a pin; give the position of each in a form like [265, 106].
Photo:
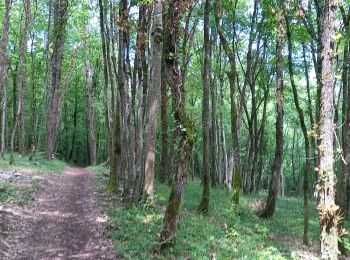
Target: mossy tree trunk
[184, 126]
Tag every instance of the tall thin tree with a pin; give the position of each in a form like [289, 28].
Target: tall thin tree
[204, 204]
[278, 160]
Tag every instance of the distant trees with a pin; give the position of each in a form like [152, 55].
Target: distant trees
[212, 87]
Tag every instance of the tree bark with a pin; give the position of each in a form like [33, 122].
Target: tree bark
[235, 154]
[184, 141]
[278, 160]
[141, 85]
[156, 49]
[22, 73]
[90, 119]
[204, 204]
[328, 210]
[3, 72]
[307, 169]
[60, 21]
[164, 158]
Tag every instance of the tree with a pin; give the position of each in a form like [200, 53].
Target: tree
[234, 109]
[90, 119]
[60, 17]
[328, 210]
[204, 204]
[307, 169]
[155, 63]
[3, 71]
[184, 141]
[21, 79]
[278, 160]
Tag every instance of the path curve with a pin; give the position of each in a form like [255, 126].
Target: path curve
[63, 223]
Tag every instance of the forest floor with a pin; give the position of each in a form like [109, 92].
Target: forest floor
[58, 220]
[218, 235]
[70, 215]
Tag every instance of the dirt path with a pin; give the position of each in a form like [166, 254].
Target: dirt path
[63, 222]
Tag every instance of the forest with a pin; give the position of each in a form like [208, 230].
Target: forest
[199, 129]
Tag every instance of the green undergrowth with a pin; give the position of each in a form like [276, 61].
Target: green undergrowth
[37, 165]
[20, 195]
[135, 230]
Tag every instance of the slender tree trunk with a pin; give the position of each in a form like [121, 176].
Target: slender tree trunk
[260, 152]
[204, 204]
[120, 124]
[3, 72]
[90, 120]
[164, 158]
[21, 79]
[307, 169]
[328, 210]
[22, 73]
[184, 141]
[75, 122]
[141, 85]
[345, 173]
[278, 160]
[235, 156]
[155, 64]
[60, 20]
[105, 77]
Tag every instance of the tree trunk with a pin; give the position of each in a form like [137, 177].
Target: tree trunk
[141, 85]
[155, 63]
[307, 169]
[75, 122]
[164, 158]
[60, 21]
[204, 204]
[278, 160]
[235, 159]
[90, 120]
[341, 196]
[22, 73]
[3, 72]
[184, 141]
[328, 210]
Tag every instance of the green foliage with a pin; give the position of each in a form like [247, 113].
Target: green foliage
[135, 230]
[40, 165]
[7, 192]
[20, 195]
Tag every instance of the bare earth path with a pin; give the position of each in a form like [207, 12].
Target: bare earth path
[63, 222]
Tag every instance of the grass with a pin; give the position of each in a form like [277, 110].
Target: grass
[39, 165]
[19, 193]
[135, 230]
